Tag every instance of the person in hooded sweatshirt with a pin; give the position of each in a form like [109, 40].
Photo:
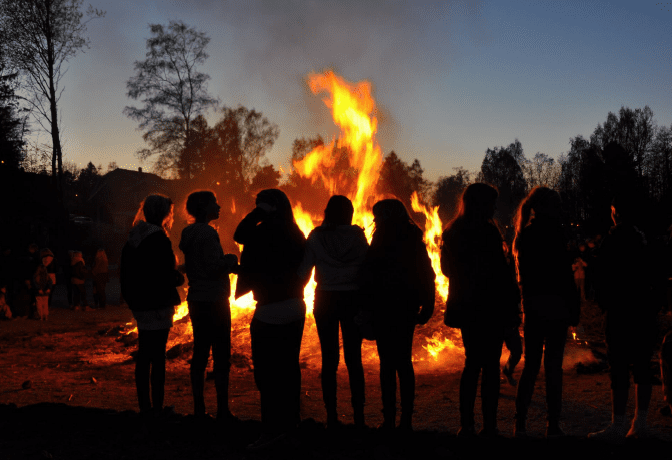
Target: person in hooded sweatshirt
[273, 248]
[551, 302]
[337, 249]
[208, 271]
[78, 280]
[397, 279]
[149, 281]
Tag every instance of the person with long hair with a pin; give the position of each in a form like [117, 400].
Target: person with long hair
[208, 269]
[398, 281]
[550, 301]
[482, 302]
[337, 249]
[149, 281]
[626, 281]
[273, 248]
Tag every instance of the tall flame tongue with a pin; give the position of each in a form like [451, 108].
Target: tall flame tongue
[353, 110]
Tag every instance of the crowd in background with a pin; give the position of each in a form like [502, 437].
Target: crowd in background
[28, 280]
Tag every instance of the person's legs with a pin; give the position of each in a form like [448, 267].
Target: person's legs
[221, 357]
[556, 336]
[201, 323]
[76, 296]
[158, 362]
[491, 343]
[469, 378]
[352, 352]
[514, 343]
[534, 349]
[326, 321]
[142, 366]
[404, 367]
[385, 343]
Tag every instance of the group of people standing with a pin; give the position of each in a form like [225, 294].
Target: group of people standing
[380, 290]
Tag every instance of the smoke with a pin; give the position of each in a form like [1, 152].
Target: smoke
[389, 43]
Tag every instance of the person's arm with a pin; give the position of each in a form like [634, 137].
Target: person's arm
[247, 226]
[427, 282]
[214, 260]
[309, 261]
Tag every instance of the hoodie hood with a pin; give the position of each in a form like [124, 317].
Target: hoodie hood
[141, 231]
[343, 243]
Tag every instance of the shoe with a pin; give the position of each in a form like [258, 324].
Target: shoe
[466, 432]
[334, 424]
[554, 431]
[520, 429]
[387, 426]
[613, 434]
[665, 411]
[508, 375]
[265, 441]
[638, 430]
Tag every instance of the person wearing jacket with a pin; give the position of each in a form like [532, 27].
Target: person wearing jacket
[625, 282]
[397, 281]
[79, 272]
[337, 249]
[550, 300]
[149, 282]
[482, 302]
[101, 277]
[273, 247]
[42, 286]
[207, 270]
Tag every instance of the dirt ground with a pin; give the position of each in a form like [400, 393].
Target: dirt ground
[67, 391]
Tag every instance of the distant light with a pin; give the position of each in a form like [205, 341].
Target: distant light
[217, 182]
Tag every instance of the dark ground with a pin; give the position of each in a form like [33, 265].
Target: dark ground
[81, 404]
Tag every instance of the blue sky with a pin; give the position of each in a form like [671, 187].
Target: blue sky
[451, 78]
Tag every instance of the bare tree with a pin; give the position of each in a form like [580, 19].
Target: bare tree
[173, 92]
[39, 37]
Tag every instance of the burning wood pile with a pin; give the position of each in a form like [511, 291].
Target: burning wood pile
[353, 110]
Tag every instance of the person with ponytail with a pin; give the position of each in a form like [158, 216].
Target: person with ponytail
[397, 280]
[149, 281]
[482, 302]
[337, 249]
[550, 301]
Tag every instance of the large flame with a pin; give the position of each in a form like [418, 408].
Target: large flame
[353, 110]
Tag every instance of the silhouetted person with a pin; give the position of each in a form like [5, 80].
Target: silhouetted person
[42, 287]
[397, 279]
[624, 286]
[550, 301]
[273, 250]
[149, 281]
[337, 249]
[101, 276]
[208, 271]
[482, 302]
[78, 280]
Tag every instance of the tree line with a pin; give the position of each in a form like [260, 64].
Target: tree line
[628, 151]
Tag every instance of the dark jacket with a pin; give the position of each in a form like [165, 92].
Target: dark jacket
[482, 285]
[148, 276]
[272, 253]
[398, 275]
[337, 253]
[545, 270]
[207, 268]
[625, 275]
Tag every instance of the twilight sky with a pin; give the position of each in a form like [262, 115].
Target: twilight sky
[451, 79]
